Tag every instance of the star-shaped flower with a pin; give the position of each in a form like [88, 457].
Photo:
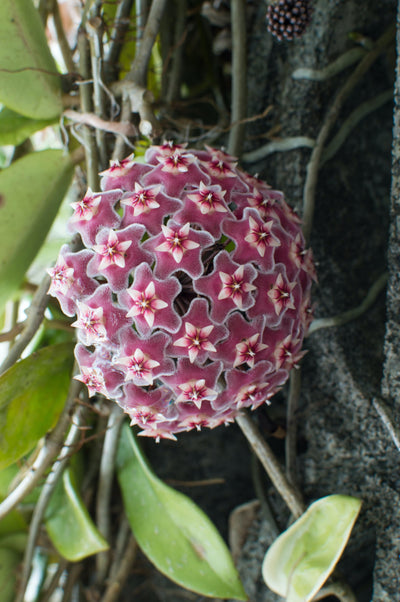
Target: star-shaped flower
[92, 213]
[118, 253]
[177, 242]
[287, 353]
[94, 380]
[62, 277]
[255, 239]
[247, 350]
[86, 208]
[151, 301]
[176, 162]
[91, 323]
[195, 391]
[145, 303]
[230, 286]
[260, 235]
[234, 286]
[195, 340]
[119, 168]
[281, 294]
[143, 360]
[142, 200]
[178, 248]
[198, 334]
[139, 367]
[113, 251]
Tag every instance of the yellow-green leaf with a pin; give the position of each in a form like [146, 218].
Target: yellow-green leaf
[172, 531]
[32, 395]
[31, 191]
[302, 558]
[29, 82]
[15, 128]
[69, 525]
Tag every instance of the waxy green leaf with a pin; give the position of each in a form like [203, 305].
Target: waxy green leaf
[15, 128]
[172, 531]
[29, 82]
[302, 558]
[32, 395]
[68, 523]
[31, 191]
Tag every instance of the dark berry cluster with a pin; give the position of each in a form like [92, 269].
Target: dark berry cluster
[289, 18]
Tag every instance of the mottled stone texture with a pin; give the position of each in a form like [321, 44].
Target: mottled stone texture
[343, 445]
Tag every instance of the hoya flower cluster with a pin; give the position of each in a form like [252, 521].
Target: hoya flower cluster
[192, 294]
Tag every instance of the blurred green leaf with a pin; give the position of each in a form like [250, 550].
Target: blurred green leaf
[302, 558]
[29, 82]
[172, 531]
[68, 523]
[32, 395]
[15, 128]
[31, 190]
[9, 561]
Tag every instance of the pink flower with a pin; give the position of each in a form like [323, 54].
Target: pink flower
[178, 248]
[177, 242]
[87, 208]
[198, 334]
[192, 296]
[247, 350]
[113, 251]
[143, 200]
[139, 367]
[281, 294]
[93, 378]
[62, 277]
[90, 323]
[260, 236]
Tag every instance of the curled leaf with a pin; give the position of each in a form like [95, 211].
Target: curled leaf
[302, 558]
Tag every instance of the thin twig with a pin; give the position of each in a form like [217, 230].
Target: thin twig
[352, 120]
[314, 163]
[291, 425]
[337, 66]
[44, 498]
[32, 323]
[239, 85]
[177, 53]
[121, 26]
[275, 146]
[62, 38]
[387, 421]
[12, 333]
[121, 540]
[54, 583]
[352, 314]
[274, 470]
[52, 445]
[92, 161]
[114, 589]
[139, 68]
[106, 475]
[94, 28]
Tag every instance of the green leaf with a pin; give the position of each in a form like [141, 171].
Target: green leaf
[9, 561]
[29, 82]
[68, 522]
[32, 395]
[31, 190]
[302, 558]
[172, 531]
[15, 128]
